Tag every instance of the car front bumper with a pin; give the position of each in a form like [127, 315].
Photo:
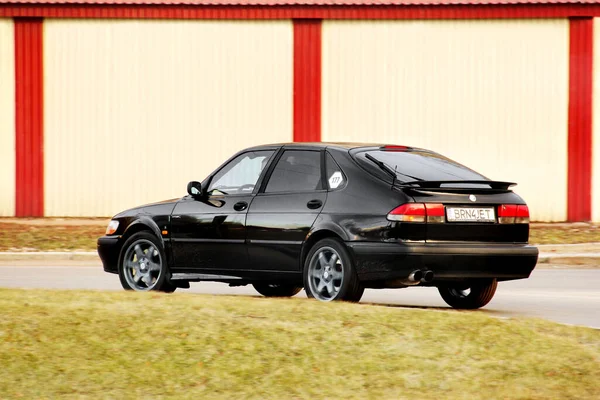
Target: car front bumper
[388, 261]
[108, 250]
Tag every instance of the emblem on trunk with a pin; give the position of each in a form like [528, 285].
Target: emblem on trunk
[472, 197]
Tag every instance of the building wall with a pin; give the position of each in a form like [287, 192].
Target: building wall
[7, 118]
[490, 94]
[136, 109]
[596, 126]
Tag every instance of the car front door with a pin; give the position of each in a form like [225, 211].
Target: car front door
[210, 233]
[285, 209]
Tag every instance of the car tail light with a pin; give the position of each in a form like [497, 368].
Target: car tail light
[513, 214]
[435, 213]
[507, 213]
[522, 215]
[418, 212]
[409, 212]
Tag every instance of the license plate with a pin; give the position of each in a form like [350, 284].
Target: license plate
[470, 214]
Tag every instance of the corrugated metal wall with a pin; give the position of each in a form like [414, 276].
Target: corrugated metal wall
[490, 94]
[7, 118]
[136, 109]
[596, 126]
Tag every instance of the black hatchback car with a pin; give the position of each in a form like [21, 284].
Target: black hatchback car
[331, 218]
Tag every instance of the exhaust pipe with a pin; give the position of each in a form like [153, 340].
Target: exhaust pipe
[414, 278]
[427, 276]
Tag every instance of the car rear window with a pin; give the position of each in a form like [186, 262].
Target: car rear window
[413, 165]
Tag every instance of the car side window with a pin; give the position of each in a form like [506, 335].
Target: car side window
[335, 176]
[296, 171]
[240, 175]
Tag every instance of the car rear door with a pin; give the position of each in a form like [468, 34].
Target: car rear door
[285, 209]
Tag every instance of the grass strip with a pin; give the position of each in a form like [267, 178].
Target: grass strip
[74, 344]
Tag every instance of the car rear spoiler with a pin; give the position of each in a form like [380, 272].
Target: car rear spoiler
[433, 185]
[437, 184]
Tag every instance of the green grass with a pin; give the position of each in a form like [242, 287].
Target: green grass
[74, 344]
[35, 236]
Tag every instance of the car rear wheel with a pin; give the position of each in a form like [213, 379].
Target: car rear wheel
[329, 273]
[142, 265]
[276, 290]
[469, 295]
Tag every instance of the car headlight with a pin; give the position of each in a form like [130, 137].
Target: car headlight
[112, 227]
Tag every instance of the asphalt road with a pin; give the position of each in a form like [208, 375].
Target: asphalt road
[562, 295]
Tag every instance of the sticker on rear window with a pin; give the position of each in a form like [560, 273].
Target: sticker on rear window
[336, 179]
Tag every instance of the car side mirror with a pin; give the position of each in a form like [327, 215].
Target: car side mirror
[195, 189]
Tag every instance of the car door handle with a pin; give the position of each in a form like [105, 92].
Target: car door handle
[314, 204]
[240, 206]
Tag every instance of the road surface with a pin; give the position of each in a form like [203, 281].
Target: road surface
[562, 295]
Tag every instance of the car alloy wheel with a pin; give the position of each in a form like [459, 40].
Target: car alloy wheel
[325, 274]
[142, 265]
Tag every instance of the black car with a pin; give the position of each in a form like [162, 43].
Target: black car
[331, 218]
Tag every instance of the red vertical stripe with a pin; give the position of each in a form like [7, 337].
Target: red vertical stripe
[307, 80]
[579, 203]
[29, 117]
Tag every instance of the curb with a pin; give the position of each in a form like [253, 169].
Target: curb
[49, 256]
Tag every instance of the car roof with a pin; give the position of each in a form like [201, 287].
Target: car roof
[322, 145]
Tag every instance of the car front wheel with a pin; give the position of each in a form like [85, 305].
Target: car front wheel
[329, 273]
[142, 265]
[469, 295]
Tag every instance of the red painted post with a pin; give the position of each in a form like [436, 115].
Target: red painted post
[29, 117]
[581, 45]
[307, 80]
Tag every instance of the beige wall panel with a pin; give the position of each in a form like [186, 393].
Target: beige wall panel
[7, 119]
[136, 109]
[596, 126]
[490, 94]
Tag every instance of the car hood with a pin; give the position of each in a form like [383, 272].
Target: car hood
[164, 207]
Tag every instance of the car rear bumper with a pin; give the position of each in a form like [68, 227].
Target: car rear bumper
[387, 261]
[108, 250]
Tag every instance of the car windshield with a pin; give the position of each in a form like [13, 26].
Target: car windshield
[417, 165]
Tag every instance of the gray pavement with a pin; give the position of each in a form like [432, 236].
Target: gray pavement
[570, 296]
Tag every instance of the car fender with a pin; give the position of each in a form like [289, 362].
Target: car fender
[327, 226]
[147, 222]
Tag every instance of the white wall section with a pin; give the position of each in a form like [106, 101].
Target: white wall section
[7, 118]
[492, 95]
[136, 109]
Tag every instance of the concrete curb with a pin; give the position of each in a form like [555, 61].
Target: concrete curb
[55, 256]
[49, 256]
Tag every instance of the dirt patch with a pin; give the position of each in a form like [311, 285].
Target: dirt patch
[564, 233]
[49, 237]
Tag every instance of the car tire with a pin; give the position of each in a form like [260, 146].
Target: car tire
[143, 264]
[469, 296]
[276, 290]
[329, 273]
